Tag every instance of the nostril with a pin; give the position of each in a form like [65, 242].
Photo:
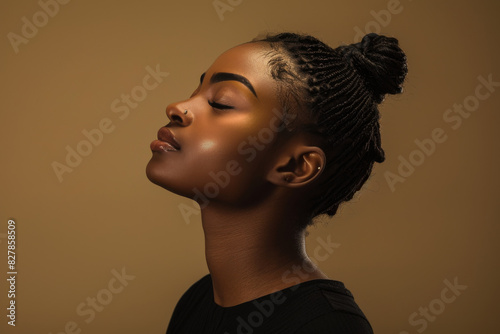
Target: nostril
[176, 118]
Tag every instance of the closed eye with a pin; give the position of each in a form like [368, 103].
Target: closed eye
[216, 105]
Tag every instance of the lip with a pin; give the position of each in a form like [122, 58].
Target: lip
[161, 146]
[166, 141]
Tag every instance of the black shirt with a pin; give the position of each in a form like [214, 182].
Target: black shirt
[318, 306]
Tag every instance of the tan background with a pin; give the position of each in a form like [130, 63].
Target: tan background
[396, 248]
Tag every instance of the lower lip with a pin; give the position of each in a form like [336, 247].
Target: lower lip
[161, 146]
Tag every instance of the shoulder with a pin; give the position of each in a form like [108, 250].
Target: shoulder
[329, 308]
[336, 322]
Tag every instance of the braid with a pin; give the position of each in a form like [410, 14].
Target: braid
[340, 89]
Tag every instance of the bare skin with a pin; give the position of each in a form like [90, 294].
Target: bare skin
[251, 225]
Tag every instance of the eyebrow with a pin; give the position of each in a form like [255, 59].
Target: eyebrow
[224, 76]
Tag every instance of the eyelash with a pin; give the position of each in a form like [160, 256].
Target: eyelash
[219, 106]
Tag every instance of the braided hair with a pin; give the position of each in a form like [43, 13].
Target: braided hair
[340, 90]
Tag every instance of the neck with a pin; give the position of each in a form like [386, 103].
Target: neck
[251, 252]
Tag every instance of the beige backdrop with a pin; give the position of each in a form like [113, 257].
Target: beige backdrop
[426, 220]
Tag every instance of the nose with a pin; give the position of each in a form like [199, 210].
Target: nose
[178, 113]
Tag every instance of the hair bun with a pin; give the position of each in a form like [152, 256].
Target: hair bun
[381, 62]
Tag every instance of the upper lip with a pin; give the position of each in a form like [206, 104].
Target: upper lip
[164, 134]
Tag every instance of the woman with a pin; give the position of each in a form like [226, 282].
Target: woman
[279, 131]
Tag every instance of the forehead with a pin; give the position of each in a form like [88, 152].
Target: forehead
[249, 61]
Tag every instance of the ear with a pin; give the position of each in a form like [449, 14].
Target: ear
[298, 168]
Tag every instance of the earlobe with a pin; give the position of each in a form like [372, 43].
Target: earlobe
[300, 168]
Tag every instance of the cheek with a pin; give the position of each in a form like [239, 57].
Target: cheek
[229, 166]
[236, 166]
[211, 154]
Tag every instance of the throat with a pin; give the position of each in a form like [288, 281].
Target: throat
[248, 263]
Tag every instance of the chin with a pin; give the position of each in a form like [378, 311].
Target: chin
[158, 175]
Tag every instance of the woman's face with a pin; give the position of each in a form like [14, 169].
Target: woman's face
[230, 135]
